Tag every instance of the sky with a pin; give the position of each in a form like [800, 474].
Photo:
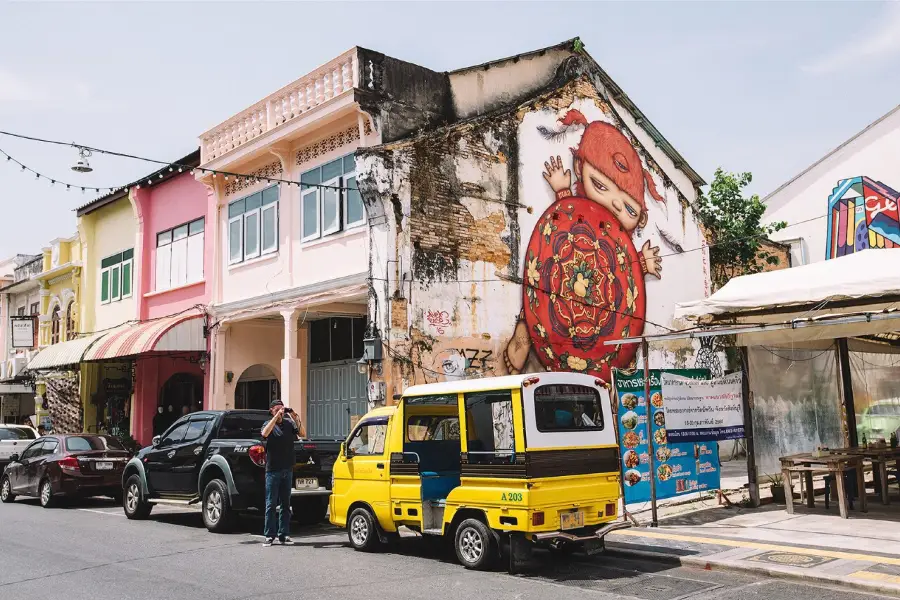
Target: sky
[753, 86]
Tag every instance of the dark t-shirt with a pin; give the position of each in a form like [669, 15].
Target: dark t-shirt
[280, 446]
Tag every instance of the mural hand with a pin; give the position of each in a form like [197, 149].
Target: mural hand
[555, 176]
[652, 259]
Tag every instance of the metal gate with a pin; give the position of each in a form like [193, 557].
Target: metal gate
[335, 392]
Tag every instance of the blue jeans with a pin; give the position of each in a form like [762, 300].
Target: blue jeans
[278, 494]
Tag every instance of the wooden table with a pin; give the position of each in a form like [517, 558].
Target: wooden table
[834, 463]
[879, 457]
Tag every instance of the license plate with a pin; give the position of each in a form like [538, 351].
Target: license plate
[303, 483]
[104, 466]
[572, 520]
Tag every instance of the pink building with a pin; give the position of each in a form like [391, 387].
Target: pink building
[171, 282]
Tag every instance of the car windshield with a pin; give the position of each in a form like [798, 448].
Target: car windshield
[16, 433]
[92, 442]
[885, 410]
[237, 426]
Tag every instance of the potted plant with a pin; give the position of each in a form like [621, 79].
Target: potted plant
[777, 488]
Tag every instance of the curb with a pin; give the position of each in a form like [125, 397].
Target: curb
[704, 563]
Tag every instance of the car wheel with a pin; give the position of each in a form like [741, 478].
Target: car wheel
[6, 493]
[475, 545]
[46, 494]
[217, 513]
[310, 511]
[361, 529]
[135, 505]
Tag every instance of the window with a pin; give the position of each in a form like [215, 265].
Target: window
[70, 322]
[54, 326]
[21, 311]
[35, 309]
[92, 442]
[49, 447]
[175, 434]
[179, 255]
[115, 276]
[490, 414]
[432, 428]
[336, 205]
[33, 450]
[369, 437]
[559, 407]
[195, 430]
[337, 338]
[16, 433]
[238, 426]
[253, 226]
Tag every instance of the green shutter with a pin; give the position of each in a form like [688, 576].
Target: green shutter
[126, 279]
[104, 286]
[115, 275]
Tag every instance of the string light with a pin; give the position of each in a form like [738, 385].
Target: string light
[39, 176]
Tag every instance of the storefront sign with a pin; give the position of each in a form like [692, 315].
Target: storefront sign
[23, 332]
[680, 468]
[117, 386]
[703, 410]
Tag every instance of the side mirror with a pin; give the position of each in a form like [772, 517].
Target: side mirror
[343, 451]
[155, 441]
[348, 452]
[13, 458]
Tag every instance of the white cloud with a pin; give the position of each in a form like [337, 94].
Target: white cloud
[863, 45]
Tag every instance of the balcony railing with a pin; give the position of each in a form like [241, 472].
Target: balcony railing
[323, 85]
[29, 270]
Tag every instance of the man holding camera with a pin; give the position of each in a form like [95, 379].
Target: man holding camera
[280, 432]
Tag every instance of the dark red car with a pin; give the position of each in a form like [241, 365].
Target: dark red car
[66, 465]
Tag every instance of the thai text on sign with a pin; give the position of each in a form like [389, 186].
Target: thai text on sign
[698, 410]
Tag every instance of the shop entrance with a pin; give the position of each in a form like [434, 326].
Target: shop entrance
[182, 393]
[256, 388]
[336, 391]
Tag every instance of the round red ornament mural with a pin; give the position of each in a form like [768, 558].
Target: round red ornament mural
[583, 286]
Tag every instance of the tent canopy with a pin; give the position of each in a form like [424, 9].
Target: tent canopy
[864, 282]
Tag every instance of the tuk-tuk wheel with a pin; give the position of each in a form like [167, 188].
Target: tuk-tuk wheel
[475, 545]
[361, 529]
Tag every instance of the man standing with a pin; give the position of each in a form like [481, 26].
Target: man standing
[280, 432]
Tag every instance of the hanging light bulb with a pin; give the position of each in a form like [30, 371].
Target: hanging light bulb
[83, 166]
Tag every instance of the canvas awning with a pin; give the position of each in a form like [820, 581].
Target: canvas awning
[181, 333]
[839, 293]
[63, 354]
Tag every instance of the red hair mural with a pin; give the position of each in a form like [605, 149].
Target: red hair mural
[584, 279]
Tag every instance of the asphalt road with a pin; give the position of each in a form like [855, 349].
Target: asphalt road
[90, 550]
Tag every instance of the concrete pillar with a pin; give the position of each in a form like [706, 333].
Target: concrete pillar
[290, 365]
[218, 394]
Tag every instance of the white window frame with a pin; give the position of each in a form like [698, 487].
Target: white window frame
[122, 294]
[120, 268]
[240, 258]
[345, 194]
[331, 186]
[271, 207]
[242, 218]
[314, 191]
[258, 252]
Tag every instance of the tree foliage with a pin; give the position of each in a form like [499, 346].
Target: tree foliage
[733, 223]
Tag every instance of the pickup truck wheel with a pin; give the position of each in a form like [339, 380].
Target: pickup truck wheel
[475, 545]
[6, 494]
[361, 529]
[217, 513]
[135, 505]
[310, 511]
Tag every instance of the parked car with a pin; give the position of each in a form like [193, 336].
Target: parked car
[216, 459]
[13, 439]
[65, 465]
[879, 420]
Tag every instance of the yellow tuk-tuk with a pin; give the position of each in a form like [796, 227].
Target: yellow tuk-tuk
[495, 463]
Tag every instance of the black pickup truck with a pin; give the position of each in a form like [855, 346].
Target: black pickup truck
[217, 459]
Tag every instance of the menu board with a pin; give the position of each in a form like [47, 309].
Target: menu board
[681, 468]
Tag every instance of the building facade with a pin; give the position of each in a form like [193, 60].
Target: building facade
[20, 308]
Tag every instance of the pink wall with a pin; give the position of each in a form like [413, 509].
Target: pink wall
[151, 374]
[164, 206]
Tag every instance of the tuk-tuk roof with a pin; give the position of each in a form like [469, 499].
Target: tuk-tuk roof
[478, 384]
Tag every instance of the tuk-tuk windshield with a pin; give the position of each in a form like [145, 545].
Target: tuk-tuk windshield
[567, 407]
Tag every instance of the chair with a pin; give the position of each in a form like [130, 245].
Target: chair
[849, 485]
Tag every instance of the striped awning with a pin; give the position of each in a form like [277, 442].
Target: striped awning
[181, 333]
[63, 354]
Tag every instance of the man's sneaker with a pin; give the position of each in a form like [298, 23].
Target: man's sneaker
[286, 540]
[268, 542]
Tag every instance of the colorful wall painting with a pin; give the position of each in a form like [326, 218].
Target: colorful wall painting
[862, 213]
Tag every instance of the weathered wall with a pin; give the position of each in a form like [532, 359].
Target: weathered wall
[480, 268]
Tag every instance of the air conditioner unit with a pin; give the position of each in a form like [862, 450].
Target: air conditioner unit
[18, 365]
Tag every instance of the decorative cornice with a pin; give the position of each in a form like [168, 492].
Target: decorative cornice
[330, 143]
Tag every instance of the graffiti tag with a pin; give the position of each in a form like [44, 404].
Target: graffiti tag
[439, 319]
[876, 205]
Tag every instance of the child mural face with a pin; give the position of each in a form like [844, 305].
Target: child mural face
[604, 191]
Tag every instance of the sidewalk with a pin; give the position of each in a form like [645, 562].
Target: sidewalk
[862, 552]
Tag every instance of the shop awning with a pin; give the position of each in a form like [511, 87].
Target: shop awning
[181, 333]
[63, 354]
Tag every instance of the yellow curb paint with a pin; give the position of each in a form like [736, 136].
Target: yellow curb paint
[758, 546]
[871, 576]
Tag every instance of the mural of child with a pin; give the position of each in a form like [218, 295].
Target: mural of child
[584, 279]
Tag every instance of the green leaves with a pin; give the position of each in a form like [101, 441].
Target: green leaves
[734, 225]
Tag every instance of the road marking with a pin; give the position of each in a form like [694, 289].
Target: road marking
[872, 576]
[759, 546]
[101, 512]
